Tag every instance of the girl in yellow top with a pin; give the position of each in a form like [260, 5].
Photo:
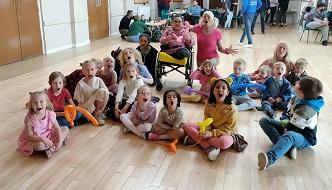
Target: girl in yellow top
[220, 108]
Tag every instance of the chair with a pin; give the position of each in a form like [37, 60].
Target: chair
[305, 28]
[166, 61]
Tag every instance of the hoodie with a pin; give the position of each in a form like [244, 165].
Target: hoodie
[250, 6]
[303, 117]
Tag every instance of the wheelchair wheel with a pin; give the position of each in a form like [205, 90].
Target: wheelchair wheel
[190, 82]
[159, 86]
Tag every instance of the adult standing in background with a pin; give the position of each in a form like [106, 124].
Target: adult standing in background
[229, 7]
[163, 8]
[248, 10]
[265, 8]
[281, 14]
[209, 39]
[273, 10]
[125, 23]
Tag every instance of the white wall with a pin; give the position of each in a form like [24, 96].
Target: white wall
[64, 23]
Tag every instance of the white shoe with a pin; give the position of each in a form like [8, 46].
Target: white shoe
[248, 46]
[239, 43]
[213, 154]
[293, 153]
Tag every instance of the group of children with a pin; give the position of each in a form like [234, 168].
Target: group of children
[125, 95]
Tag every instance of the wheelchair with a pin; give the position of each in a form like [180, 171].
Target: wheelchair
[166, 64]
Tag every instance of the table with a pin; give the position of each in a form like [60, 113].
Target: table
[156, 24]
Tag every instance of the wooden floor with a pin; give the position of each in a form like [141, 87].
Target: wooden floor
[105, 158]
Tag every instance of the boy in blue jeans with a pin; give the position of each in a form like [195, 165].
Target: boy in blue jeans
[298, 129]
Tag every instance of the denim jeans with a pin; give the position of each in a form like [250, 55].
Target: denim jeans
[283, 141]
[79, 119]
[247, 20]
[229, 19]
[262, 15]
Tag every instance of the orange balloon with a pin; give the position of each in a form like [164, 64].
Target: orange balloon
[70, 114]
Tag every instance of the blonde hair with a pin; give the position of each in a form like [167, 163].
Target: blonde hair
[240, 61]
[136, 53]
[142, 88]
[279, 63]
[87, 62]
[98, 63]
[55, 75]
[301, 62]
[212, 62]
[49, 105]
[286, 58]
[109, 57]
[125, 67]
[266, 68]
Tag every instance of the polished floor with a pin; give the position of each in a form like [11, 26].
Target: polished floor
[105, 158]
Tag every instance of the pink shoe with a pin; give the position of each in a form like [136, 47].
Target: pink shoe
[153, 137]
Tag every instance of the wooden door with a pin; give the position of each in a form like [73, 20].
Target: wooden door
[214, 4]
[29, 28]
[98, 19]
[10, 50]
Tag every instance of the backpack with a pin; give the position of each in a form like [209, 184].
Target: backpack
[156, 35]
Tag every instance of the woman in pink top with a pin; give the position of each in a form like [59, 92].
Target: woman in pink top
[209, 39]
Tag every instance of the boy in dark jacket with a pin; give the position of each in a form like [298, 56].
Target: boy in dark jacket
[278, 91]
[298, 129]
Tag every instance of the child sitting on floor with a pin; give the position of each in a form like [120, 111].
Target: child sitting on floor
[41, 131]
[264, 72]
[298, 130]
[240, 96]
[278, 91]
[60, 96]
[127, 90]
[298, 72]
[204, 74]
[220, 108]
[91, 91]
[169, 122]
[143, 113]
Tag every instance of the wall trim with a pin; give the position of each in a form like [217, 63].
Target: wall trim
[50, 51]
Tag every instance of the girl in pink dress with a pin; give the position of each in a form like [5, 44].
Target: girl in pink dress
[41, 131]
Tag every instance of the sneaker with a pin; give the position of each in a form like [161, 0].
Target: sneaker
[239, 43]
[188, 141]
[293, 153]
[285, 24]
[123, 36]
[125, 130]
[324, 43]
[153, 137]
[252, 32]
[49, 152]
[100, 121]
[263, 161]
[263, 32]
[213, 154]
[146, 136]
[274, 24]
[248, 46]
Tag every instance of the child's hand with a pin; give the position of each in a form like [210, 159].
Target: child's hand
[206, 135]
[139, 76]
[117, 112]
[271, 100]
[48, 142]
